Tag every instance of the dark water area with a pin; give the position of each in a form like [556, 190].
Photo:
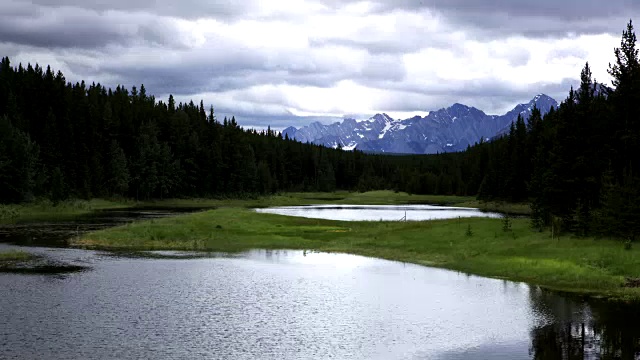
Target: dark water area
[56, 233]
[292, 305]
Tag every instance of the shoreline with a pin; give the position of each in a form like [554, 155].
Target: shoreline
[23, 262]
[588, 266]
[45, 211]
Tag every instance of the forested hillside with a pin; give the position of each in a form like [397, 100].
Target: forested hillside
[578, 166]
[59, 139]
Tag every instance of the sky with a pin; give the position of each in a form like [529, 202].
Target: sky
[290, 62]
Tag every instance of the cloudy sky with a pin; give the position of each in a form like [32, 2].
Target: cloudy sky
[289, 62]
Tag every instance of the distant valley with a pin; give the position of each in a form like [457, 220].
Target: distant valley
[445, 130]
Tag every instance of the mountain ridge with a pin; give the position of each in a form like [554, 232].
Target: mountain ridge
[444, 130]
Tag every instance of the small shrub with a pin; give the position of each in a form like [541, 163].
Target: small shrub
[506, 223]
[627, 244]
[8, 212]
[218, 226]
[469, 232]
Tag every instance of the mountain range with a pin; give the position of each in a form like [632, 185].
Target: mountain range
[444, 130]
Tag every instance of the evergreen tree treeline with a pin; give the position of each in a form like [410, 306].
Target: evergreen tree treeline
[59, 140]
[579, 166]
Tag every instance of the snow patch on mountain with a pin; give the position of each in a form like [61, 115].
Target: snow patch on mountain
[350, 147]
[386, 128]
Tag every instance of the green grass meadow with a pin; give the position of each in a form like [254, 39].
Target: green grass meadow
[45, 210]
[14, 256]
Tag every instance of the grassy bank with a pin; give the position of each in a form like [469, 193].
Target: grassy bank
[21, 262]
[519, 209]
[17, 261]
[591, 266]
[13, 256]
[45, 210]
[384, 197]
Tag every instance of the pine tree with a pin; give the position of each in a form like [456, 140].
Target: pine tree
[18, 163]
[625, 75]
[58, 188]
[266, 182]
[326, 175]
[118, 173]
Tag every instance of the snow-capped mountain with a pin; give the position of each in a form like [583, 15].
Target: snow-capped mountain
[541, 101]
[443, 130]
[348, 134]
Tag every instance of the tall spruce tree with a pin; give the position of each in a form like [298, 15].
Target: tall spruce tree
[118, 172]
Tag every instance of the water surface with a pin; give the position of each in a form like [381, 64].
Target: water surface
[295, 305]
[56, 233]
[286, 305]
[378, 212]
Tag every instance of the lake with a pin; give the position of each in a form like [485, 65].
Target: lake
[294, 305]
[378, 212]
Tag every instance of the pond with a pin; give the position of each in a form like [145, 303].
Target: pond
[287, 305]
[295, 305]
[378, 212]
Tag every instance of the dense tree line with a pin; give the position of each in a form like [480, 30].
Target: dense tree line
[59, 139]
[579, 164]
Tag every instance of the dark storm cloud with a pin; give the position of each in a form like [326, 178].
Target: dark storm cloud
[227, 67]
[67, 27]
[224, 9]
[565, 9]
[500, 24]
[540, 18]
[189, 72]
[218, 75]
[183, 82]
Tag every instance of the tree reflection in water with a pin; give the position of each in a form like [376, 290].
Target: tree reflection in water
[575, 329]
